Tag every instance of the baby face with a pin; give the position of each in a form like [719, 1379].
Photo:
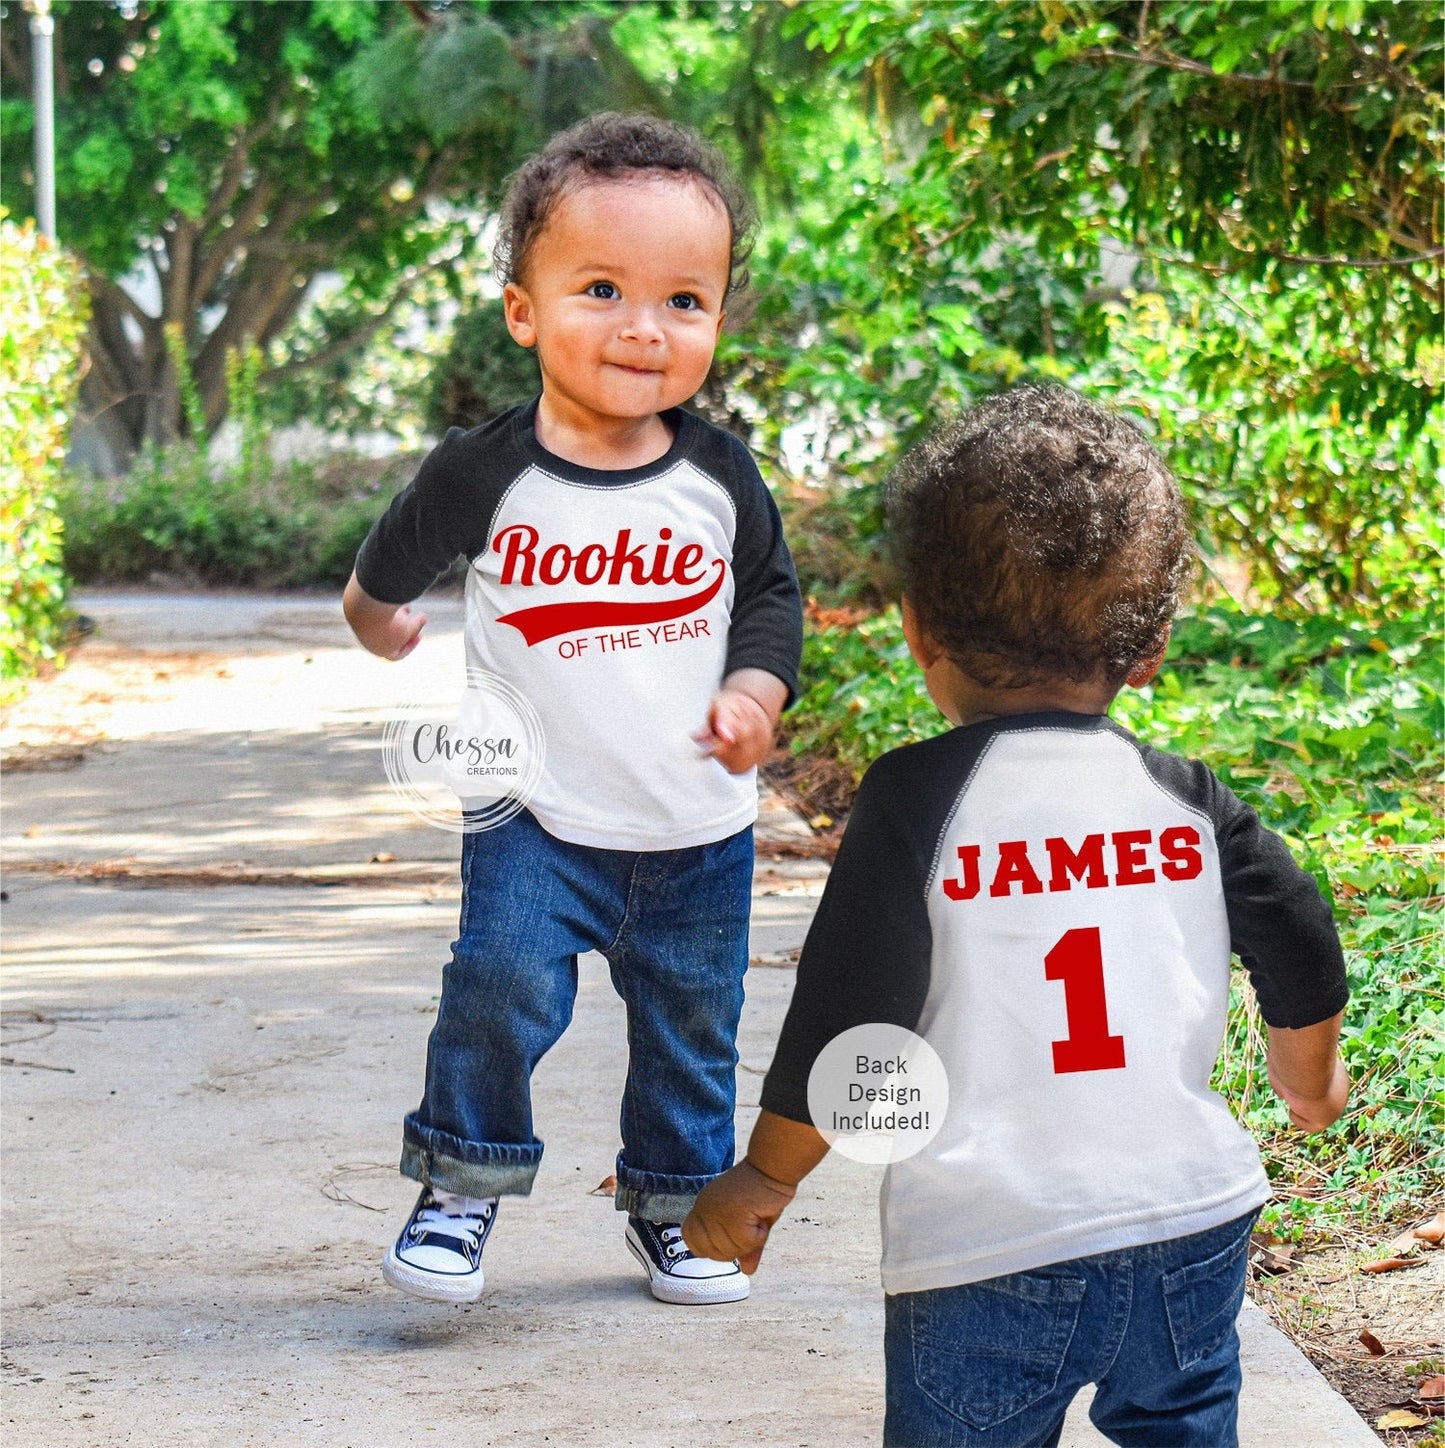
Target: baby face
[623, 298]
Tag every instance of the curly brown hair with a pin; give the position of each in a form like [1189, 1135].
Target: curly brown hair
[1039, 537]
[608, 147]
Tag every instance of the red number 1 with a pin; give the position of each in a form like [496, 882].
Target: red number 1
[1078, 961]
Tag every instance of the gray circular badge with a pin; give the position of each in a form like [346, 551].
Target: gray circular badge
[470, 768]
[878, 1093]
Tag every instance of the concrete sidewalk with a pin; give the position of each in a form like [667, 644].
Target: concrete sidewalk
[204, 1083]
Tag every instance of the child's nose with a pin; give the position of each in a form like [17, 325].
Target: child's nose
[642, 324]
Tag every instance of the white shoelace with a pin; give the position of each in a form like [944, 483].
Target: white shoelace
[450, 1220]
[672, 1238]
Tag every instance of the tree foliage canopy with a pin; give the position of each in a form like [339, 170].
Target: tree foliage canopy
[1225, 218]
[1293, 146]
[244, 148]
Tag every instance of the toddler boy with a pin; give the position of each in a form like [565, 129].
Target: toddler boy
[629, 576]
[1052, 905]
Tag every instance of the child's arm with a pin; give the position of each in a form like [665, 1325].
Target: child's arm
[1307, 1074]
[1282, 928]
[867, 958]
[734, 1213]
[765, 626]
[742, 717]
[388, 629]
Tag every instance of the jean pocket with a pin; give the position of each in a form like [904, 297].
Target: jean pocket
[1203, 1299]
[988, 1350]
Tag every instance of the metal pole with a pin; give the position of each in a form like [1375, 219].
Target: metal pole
[42, 31]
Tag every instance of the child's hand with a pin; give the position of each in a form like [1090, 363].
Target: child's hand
[741, 719]
[389, 630]
[739, 732]
[1307, 1074]
[402, 633]
[1315, 1113]
[734, 1214]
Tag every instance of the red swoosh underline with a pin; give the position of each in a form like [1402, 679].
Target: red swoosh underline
[547, 620]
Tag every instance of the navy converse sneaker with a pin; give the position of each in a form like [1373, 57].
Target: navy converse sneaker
[674, 1273]
[439, 1252]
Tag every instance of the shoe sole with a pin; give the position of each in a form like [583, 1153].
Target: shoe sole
[690, 1291]
[432, 1286]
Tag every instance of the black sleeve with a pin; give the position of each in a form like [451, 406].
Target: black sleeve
[1280, 924]
[436, 517]
[869, 951]
[766, 631]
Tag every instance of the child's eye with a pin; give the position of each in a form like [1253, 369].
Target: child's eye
[603, 291]
[685, 302]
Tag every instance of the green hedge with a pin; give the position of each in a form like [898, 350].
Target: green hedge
[258, 524]
[43, 314]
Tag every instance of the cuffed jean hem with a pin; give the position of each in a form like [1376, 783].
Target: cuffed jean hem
[489, 1169]
[655, 1196]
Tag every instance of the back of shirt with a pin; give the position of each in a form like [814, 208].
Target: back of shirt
[1053, 907]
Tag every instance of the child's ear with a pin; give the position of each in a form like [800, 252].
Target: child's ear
[1145, 669]
[925, 651]
[520, 322]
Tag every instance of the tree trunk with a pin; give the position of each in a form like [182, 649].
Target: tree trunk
[111, 422]
[130, 394]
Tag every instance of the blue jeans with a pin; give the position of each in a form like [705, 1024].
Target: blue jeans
[673, 925]
[995, 1364]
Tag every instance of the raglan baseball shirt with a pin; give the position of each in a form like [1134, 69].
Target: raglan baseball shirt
[616, 602]
[1052, 905]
